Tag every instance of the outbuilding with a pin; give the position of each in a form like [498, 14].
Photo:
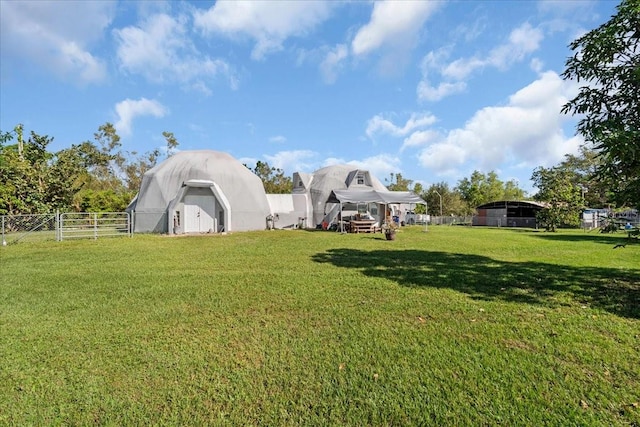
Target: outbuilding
[508, 213]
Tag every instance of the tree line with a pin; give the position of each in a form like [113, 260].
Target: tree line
[93, 176]
[566, 189]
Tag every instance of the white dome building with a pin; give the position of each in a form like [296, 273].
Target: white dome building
[201, 191]
[319, 185]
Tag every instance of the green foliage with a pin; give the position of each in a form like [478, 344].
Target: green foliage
[273, 179]
[563, 198]
[136, 165]
[583, 171]
[397, 183]
[106, 172]
[84, 177]
[606, 62]
[25, 175]
[172, 142]
[452, 203]
[458, 326]
[480, 189]
[102, 200]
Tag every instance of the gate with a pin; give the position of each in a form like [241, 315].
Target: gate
[56, 226]
[83, 225]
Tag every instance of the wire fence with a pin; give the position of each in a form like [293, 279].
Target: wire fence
[451, 220]
[62, 226]
[501, 221]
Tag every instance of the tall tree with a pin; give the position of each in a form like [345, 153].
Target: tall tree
[24, 174]
[440, 194]
[563, 198]
[607, 63]
[172, 143]
[136, 165]
[583, 169]
[110, 161]
[273, 179]
[398, 183]
[480, 189]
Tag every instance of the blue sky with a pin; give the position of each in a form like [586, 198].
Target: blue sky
[429, 89]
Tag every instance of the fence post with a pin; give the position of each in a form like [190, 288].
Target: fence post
[4, 242]
[57, 222]
[95, 226]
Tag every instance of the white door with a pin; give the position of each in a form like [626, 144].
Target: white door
[199, 213]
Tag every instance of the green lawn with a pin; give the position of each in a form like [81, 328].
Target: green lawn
[454, 326]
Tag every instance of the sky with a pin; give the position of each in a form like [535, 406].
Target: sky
[432, 90]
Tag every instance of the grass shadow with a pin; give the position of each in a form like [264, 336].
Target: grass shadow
[614, 290]
[595, 237]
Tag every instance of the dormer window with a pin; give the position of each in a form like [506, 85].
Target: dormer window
[358, 178]
[300, 182]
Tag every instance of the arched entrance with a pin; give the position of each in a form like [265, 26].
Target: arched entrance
[199, 207]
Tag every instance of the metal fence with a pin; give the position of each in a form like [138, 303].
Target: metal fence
[83, 225]
[450, 220]
[527, 222]
[62, 226]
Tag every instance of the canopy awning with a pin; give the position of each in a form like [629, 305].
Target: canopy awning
[372, 196]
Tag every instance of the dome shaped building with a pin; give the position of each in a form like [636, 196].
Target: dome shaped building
[201, 191]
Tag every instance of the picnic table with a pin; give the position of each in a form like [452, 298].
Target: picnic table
[362, 226]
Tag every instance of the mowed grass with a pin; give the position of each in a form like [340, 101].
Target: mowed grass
[453, 326]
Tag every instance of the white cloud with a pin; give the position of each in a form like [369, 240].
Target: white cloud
[394, 27]
[392, 23]
[160, 50]
[57, 35]
[129, 109]
[379, 125]
[332, 63]
[278, 139]
[527, 131]
[420, 138]
[292, 161]
[536, 65]
[426, 92]
[380, 166]
[269, 24]
[443, 158]
[522, 41]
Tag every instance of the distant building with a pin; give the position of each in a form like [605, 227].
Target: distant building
[508, 213]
